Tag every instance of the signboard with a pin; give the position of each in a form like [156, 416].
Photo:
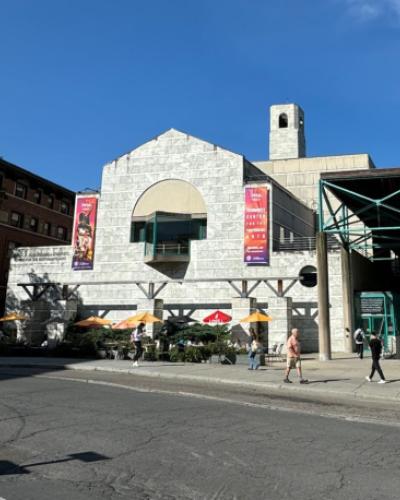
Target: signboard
[256, 225]
[372, 305]
[83, 238]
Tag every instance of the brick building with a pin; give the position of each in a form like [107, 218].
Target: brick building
[33, 212]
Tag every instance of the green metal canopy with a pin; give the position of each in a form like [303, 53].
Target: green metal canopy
[366, 212]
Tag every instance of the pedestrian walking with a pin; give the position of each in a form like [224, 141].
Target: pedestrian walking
[254, 346]
[359, 338]
[375, 345]
[136, 339]
[293, 357]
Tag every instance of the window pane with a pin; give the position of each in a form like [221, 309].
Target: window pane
[20, 190]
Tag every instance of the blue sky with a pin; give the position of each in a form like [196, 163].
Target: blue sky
[84, 81]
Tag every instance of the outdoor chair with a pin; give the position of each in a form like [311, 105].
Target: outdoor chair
[276, 354]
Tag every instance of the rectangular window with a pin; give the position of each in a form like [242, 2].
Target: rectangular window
[64, 207]
[138, 231]
[1, 181]
[16, 219]
[61, 233]
[37, 196]
[34, 223]
[50, 201]
[20, 190]
[46, 228]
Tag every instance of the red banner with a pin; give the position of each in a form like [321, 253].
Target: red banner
[83, 238]
[256, 243]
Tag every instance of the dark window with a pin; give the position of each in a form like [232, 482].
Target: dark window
[50, 201]
[34, 223]
[16, 219]
[20, 190]
[61, 233]
[308, 276]
[37, 196]
[138, 231]
[1, 181]
[64, 207]
[46, 228]
[283, 120]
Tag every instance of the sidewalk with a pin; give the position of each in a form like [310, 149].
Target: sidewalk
[343, 378]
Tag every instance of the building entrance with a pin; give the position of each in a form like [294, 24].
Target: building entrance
[375, 312]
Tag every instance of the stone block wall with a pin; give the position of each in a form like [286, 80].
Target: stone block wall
[218, 175]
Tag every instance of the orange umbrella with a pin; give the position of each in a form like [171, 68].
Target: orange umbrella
[93, 322]
[14, 316]
[125, 325]
[255, 317]
[145, 317]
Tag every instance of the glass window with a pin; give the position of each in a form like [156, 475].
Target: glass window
[34, 223]
[50, 201]
[37, 196]
[16, 219]
[61, 233]
[20, 190]
[1, 181]
[138, 231]
[64, 207]
[46, 228]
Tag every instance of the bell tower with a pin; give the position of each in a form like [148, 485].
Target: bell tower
[286, 132]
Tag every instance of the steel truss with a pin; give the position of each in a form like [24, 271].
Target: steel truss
[365, 229]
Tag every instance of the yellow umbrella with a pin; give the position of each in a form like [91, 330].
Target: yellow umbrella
[145, 317]
[255, 317]
[13, 317]
[93, 321]
[125, 325]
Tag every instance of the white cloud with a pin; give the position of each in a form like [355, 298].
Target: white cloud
[367, 10]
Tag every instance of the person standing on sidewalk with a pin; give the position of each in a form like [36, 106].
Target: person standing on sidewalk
[254, 345]
[293, 356]
[136, 339]
[376, 349]
[359, 337]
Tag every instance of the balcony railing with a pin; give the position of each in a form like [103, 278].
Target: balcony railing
[303, 244]
[167, 252]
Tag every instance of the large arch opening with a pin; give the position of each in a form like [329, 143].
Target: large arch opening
[166, 218]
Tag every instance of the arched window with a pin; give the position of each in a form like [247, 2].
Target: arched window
[283, 120]
[167, 217]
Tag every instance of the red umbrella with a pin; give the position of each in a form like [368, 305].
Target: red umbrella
[217, 317]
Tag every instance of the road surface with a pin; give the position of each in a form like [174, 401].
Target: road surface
[65, 439]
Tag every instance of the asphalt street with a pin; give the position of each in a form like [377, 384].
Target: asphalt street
[64, 439]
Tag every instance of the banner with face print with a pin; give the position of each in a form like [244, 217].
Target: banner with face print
[84, 233]
[256, 225]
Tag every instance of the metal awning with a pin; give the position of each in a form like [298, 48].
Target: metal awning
[366, 214]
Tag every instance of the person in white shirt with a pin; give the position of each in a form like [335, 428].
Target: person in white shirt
[359, 337]
[136, 339]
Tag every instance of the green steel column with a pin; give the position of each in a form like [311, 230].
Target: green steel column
[347, 293]
[324, 333]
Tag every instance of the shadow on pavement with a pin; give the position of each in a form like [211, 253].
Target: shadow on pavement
[325, 381]
[8, 468]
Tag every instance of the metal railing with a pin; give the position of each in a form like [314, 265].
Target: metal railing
[302, 244]
[167, 249]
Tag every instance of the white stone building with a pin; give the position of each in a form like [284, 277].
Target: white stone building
[146, 258]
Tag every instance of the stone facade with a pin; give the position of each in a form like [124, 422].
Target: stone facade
[218, 175]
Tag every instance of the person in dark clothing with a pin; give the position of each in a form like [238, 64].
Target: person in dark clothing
[376, 349]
